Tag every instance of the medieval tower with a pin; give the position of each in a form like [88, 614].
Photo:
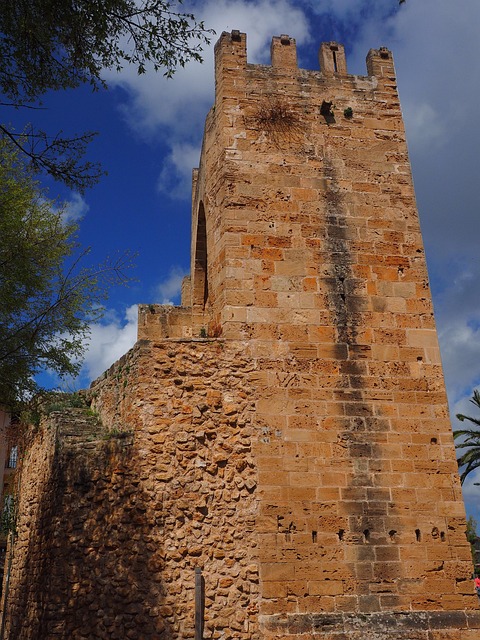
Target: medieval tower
[285, 431]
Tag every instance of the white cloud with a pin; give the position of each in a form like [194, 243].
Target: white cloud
[175, 108]
[460, 346]
[109, 340]
[74, 209]
[170, 289]
[425, 124]
[71, 210]
[175, 178]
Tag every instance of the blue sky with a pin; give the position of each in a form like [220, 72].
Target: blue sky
[150, 131]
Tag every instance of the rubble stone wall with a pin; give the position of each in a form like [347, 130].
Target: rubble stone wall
[114, 520]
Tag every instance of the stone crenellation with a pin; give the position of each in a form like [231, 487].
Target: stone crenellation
[285, 430]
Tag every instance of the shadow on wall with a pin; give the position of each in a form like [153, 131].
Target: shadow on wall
[92, 561]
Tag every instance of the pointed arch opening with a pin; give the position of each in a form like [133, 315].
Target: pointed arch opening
[200, 280]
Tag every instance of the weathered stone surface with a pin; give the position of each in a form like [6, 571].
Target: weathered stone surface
[289, 425]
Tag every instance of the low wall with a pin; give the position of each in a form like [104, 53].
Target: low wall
[122, 503]
[114, 522]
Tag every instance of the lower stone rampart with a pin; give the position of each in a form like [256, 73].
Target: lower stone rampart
[178, 466]
[395, 625]
[114, 523]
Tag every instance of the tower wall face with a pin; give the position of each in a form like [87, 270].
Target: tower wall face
[316, 261]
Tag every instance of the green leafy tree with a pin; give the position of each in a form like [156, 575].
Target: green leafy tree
[472, 538]
[47, 298]
[469, 440]
[59, 44]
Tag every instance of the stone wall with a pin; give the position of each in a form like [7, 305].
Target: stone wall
[114, 520]
[116, 517]
[314, 257]
[301, 454]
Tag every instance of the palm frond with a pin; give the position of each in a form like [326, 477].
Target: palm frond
[469, 460]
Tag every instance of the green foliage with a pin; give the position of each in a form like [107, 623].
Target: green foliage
[469, 439]
[60, 44]
[471, 533]
[8, 519]
[118, 433]
[471, 529]
[61, 401]
[48, 298]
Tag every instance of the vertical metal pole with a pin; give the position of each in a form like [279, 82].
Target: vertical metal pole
[199, 604]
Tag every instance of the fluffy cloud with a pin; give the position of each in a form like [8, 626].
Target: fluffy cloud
[175, 108]
[168, 291]
[175, 178]
[73, 209]
[182, 102]
[109, 340]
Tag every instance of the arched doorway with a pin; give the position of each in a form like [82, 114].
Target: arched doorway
[200, 280]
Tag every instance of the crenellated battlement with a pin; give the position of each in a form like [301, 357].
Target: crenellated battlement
[231, 55]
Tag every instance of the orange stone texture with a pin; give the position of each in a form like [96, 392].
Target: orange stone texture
[289, 430]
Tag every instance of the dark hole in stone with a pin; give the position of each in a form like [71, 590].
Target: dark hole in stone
[326, 108]
[442, 536]
[418, 535]
[340, 534]
[366, 535]
[314, 536]
[433, 440]
[392, 533]
[419, 359]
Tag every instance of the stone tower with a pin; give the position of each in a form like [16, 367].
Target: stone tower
[306, 248]
[285, 431]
